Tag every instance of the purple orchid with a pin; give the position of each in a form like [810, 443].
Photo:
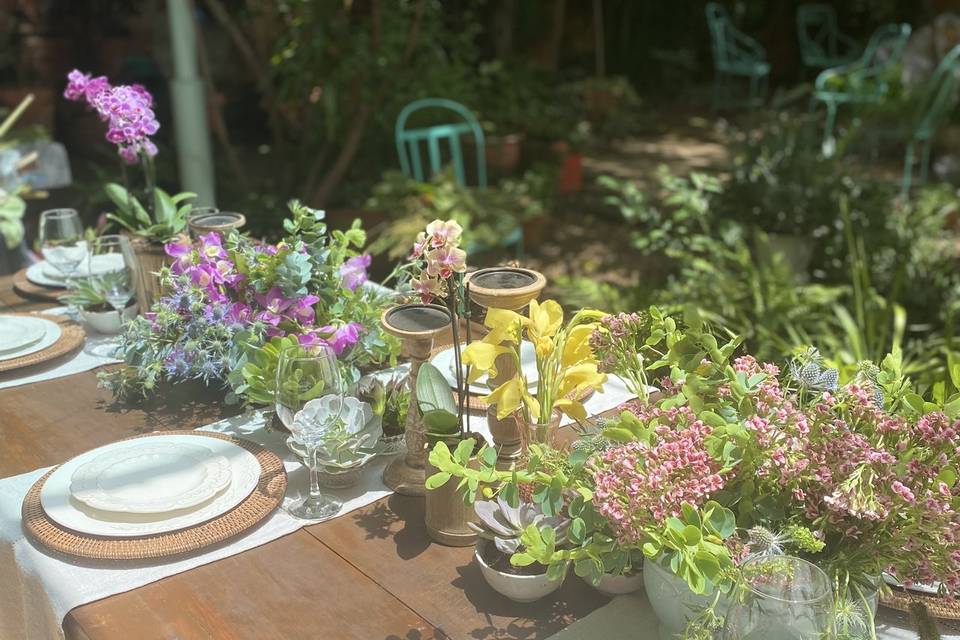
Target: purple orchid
[182, 250]
[211, 246]
[353, 272]
[343, 337]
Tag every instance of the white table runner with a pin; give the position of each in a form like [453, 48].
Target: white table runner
[38, 588]
[88, 358]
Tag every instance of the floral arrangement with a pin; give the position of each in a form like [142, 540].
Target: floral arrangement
[566, 364]
[435, 259]
[738, 457]
[232, 303]
[131, 122]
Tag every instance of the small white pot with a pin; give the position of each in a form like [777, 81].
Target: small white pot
[517, 588]
[107, 322]
[613, 585]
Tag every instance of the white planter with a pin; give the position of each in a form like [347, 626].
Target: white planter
[613, 585]
[672, 600]
[517, 588]
[107, 322]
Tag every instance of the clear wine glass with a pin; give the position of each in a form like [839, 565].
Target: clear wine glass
[62, 243]
[780, 598]
[302, 378]
[113, 270]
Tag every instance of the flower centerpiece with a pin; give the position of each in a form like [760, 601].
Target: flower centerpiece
[566, 364]
[127, 111]
[738, 458]
[233, 304]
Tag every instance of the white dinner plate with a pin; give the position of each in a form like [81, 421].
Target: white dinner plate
[63, 509]
[51, 333]
[444, 362]
[17, 332]
[932, 588]
[153, 477]
[46, 275]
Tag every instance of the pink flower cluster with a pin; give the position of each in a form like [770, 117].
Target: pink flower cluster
[640, 484]
[127, 110]
[437, 256]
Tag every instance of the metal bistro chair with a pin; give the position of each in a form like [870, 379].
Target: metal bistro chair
[735, 54]
[822, 44]
[862, 81]
[935, 105]
[409, 142]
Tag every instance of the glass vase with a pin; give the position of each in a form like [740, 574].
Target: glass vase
[542, 432]
[780, 598]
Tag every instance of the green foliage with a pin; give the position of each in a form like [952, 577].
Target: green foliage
[90, 293]
[255, 376]
[167, 216]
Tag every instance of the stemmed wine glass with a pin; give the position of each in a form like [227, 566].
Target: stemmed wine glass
[62, 243]
[310, 377]
[780, 598]
[113, 270]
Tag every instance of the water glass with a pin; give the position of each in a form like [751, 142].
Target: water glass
[302, 377]
[113, 270]
[780, 598]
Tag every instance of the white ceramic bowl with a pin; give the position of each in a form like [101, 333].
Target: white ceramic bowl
[107, 322]
[612, 585]
[517, 588]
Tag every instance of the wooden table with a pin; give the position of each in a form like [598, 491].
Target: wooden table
[370, 575]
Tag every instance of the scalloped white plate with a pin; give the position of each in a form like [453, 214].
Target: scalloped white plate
[150, 478]
[444, 362]
[62, 508]
[51, 333]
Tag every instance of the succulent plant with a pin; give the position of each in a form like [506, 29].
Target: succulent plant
[389, 399]
[504, 524]
[348, 440]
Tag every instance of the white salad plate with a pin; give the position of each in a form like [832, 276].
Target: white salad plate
[17, 332]
[931, 589]
[444, 362]
[45, 274]
[61, 507]
[51, 333]
[150, 478]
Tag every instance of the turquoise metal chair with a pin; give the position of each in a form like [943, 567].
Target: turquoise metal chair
[938, 100]
[735, 54]
[863, 81]
[409, 141]
[822, 44]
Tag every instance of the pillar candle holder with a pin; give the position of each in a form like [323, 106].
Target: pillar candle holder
[508, 288]
[417, 325]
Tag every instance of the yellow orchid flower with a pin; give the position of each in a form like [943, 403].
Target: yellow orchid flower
[545, 319]
[572, 408]
[579, 377]
[482, 358]
[504, 325]
[510, 396]
[577, 347]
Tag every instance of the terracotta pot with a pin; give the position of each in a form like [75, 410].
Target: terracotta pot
[501, 153]
[447, 515]
[150, 259]
[533, 229]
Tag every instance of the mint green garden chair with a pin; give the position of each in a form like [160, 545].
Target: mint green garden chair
[409, 141]
[735, 55]
[464, 123]
[938, 100]
[822, 44]
[863, 81]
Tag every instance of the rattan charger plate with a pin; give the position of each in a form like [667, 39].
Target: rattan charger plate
[33, 291]
[261, 502]
[71, 339]
[939, 607]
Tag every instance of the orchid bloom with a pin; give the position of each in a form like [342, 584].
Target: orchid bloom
[211, 246]
[446, 261]
[353, 272]
[444, 233]
[181, 249]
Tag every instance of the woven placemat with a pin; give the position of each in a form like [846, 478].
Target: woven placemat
[33, 291]
[939, 607]
[71, 339]
[261, 502]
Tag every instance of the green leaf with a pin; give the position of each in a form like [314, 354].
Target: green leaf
[433, 392]
[691, 535]
[437, 480]
[522, 559]
[578, 529]
[489, 456]
[556, 570]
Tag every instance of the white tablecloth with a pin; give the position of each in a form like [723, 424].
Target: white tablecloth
[94, 354]
[37, 587]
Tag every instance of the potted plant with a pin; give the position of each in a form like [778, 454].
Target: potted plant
[389, 399]
[346, 446]
[89, 295]
[128, 112]
[501, 529]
